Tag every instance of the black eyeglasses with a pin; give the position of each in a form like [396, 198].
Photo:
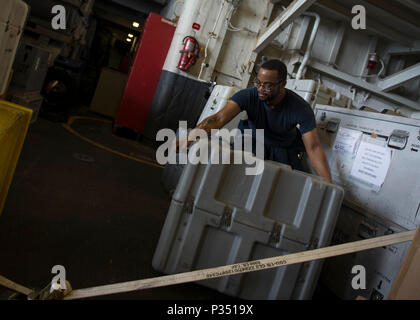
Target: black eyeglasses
[266, 86]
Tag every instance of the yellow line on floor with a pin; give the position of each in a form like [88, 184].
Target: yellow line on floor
[146, 161]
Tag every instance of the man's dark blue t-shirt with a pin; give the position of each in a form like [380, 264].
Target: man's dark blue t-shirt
[282, 140]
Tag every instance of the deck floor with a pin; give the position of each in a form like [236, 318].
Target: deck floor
[89, 208]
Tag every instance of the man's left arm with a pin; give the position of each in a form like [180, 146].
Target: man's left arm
[316, 155]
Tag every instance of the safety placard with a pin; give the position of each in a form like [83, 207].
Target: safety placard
[372, 163]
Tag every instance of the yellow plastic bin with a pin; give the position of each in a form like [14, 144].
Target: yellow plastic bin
[14, 123]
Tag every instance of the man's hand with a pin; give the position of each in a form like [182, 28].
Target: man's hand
[216, 121]
[181, 144]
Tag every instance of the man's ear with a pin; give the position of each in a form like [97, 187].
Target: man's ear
[283, 84]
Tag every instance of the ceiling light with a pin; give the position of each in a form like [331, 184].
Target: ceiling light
[128, 40]
[136, 24]
[130, 35]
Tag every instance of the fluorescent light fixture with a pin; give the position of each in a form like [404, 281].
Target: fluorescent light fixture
[136, 24]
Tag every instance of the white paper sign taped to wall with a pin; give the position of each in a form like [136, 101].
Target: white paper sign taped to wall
[346, 140]
[372, 163]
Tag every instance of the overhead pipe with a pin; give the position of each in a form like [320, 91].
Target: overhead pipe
[310, 44]
[211, 36]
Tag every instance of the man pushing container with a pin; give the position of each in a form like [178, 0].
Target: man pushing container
[287, 120]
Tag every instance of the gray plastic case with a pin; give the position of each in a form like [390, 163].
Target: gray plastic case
[220, 216]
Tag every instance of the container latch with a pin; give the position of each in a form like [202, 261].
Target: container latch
[275, 234]
[189, 205]
[226, 219]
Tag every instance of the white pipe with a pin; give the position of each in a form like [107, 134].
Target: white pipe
[211, 35]
[310, 44]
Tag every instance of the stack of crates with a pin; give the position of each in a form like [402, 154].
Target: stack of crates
[30, 64]
[29, 72]
[29, 99]
[221, 216]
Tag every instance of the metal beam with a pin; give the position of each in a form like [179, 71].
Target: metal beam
[392, 15]
[332, 8]
[342, 76]
[399, 78]
[413, 5]
[294, 10]
[109, 10]
[139, 6]
[401, 51]
[410, 4]
[161, 2]
[42, 27]
[119, 20]
[405, 12]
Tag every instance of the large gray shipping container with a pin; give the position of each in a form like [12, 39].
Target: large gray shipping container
[221, 216]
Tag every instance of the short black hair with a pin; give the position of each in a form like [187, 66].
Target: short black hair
[277, 65]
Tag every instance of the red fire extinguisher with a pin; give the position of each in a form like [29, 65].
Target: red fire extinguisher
[189, 54]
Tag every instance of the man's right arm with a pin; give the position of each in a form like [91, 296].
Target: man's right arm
[216, 121]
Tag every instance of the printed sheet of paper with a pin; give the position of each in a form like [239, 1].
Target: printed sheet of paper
[346, 140]
[372, 163]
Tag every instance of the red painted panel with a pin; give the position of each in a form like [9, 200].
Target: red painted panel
[145, 73]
